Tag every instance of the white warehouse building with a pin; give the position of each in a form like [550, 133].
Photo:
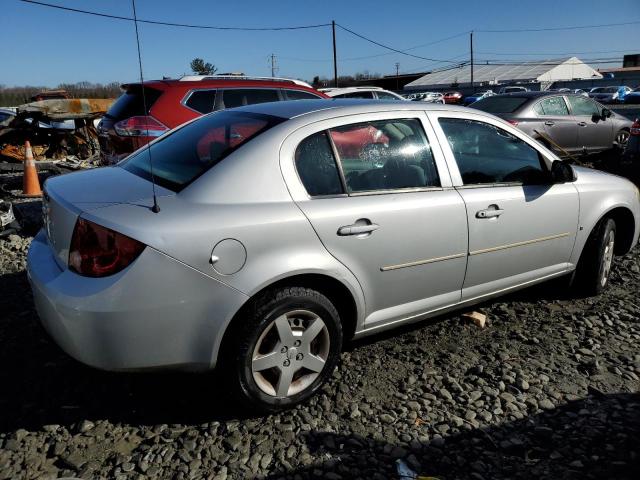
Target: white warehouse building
[536, 75]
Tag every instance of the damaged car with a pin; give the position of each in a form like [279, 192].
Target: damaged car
[257, 240]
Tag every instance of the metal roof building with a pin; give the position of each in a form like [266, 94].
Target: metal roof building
[543, 72]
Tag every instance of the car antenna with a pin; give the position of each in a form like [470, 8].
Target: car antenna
[156, 207]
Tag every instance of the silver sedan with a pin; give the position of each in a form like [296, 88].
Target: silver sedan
[280, 230]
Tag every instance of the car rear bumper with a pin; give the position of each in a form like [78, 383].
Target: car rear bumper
[157, 313]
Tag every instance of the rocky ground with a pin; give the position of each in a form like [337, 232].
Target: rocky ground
[549, 389]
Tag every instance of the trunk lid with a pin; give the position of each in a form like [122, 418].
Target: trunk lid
[66, 197]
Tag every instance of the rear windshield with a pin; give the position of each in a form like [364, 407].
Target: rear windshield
[186, 153]
[499, 104]
[130, 103]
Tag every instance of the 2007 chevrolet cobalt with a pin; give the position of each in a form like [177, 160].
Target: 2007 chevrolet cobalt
[285, 228]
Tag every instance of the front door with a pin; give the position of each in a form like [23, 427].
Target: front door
[594, 132]
[382, 205]
[521, 226]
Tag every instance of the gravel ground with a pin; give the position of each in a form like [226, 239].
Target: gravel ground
[549, 389]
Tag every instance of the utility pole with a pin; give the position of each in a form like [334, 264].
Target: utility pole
[274, 66]
[335, 60]
[471, 43]
[397, 73]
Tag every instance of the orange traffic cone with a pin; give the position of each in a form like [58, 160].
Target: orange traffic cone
[30, 180]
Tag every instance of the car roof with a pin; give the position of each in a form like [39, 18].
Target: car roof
[533, 94]
[296, 108]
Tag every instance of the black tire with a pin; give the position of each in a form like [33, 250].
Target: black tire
[592, 273]
[254, 320]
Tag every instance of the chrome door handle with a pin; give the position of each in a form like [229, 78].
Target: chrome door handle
[489, 213]
[356, 229]
[582, 124]
[549, 123]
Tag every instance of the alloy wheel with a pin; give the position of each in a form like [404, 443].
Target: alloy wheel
[607, 258]
[622, 138]
[290, 353]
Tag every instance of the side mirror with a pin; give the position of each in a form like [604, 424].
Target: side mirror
[562, 172]
[606, 113]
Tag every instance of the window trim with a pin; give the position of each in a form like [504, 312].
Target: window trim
[539, 102]
[187, 96]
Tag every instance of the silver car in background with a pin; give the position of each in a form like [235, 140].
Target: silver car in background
[566, 123]
[285, 228]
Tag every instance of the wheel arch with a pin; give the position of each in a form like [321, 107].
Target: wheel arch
[625, 228]
[335, 290]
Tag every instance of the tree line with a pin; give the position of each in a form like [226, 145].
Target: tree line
[13, 96]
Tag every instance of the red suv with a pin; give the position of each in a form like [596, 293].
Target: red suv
[127, 126]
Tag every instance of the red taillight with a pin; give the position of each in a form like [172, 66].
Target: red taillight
[635, 127]
[97, 251]
[144, 126]
[513, 122]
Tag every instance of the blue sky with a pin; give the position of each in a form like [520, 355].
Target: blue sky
[42, 46]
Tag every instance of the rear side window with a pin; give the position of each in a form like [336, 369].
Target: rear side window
[201, 101]
[486, 154]
[300, 95]
[187, 152]
[316, 166]
[583, 106]
[130, 103]
[499, 104]
[552, 106]
[238, 97]
[385, 155]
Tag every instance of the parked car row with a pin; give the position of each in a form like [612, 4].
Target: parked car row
[429, 97]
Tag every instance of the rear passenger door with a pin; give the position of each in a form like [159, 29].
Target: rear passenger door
[559, 124]
[379, 196]
[522, 227]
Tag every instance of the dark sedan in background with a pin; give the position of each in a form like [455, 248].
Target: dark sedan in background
[564, 122]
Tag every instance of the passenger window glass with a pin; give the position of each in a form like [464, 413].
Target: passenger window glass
[386, 96]
[356, 95]
[202, 100]
[552, 106]
[488, 154]
[583, 106]
[385, 155]
[238, 97]
[300, 95]
[317, 167]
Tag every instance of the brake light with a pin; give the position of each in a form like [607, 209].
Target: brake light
[97, 251]
[513, 122]
[142, 126]
[635, 127]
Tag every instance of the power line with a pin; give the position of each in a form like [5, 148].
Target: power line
[171, 24]
[551, 29]
[556, 53]
[388, 47]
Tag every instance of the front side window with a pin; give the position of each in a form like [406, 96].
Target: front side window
[385, 155]
[552, 106]
[238, 97]
[187, 152]
[583, 106]
[202, 101]
[486, 154]
[317, 167]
